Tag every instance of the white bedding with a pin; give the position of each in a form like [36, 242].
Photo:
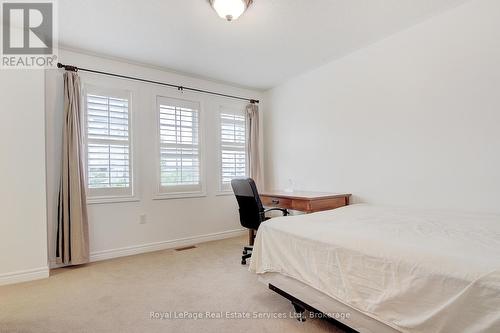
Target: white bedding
[414, 270]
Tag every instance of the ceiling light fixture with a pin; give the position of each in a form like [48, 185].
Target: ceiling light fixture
[230, 10]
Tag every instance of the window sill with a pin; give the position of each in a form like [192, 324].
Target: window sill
[184, 195]
[110, 200]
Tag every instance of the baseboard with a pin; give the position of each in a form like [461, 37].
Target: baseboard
[158, 246]
[43, 272]
[23, 276]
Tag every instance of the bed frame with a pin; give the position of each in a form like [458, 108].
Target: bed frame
[322, 306]
[300, 307]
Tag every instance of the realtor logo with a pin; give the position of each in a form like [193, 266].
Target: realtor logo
[28, 34]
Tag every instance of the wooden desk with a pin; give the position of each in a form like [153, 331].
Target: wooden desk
[307, 202]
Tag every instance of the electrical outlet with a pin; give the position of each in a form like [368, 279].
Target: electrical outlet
[142, 219]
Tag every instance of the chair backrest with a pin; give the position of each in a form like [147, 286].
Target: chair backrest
[251, 209]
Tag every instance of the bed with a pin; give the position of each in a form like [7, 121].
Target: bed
[394, 269]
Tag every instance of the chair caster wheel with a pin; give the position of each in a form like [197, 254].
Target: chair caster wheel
[243, 262]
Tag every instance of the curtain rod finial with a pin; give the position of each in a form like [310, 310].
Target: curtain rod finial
[67, 67]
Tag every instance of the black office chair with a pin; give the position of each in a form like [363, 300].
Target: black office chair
[252, 213]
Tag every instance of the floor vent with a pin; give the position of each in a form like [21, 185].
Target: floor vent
[185, 248]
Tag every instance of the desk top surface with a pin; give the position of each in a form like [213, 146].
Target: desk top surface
[304, 195]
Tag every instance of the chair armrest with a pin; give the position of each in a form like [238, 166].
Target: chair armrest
[284, 211]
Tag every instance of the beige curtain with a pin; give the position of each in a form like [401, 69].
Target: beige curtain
[253, 151]
[72, 225]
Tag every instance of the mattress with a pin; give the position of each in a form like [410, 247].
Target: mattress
[413, 270]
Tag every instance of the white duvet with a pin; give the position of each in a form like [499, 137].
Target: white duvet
[414, 270]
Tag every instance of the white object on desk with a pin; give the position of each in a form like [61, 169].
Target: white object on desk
[289, 188]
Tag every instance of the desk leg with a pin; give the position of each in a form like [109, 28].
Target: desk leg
[250, 237]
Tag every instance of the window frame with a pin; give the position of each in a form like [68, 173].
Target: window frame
[110, 89]
[187, 99]
[228, 108]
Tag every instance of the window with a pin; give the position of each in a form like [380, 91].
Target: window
[179, 143]
[108, 143]
[232, 129]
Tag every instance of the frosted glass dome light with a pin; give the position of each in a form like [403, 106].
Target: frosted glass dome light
[230, 10]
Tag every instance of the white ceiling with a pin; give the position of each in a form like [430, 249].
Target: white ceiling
[273, 41]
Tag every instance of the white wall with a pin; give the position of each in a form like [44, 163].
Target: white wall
[412, 120]
[23, 233]
[114, 228]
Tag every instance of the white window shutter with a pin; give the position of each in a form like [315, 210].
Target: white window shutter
[179, 142]
[233, 164]
[108, 144]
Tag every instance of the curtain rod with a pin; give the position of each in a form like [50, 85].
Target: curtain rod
[180, 88]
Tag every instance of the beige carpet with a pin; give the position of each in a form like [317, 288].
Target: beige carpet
[119, 295]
